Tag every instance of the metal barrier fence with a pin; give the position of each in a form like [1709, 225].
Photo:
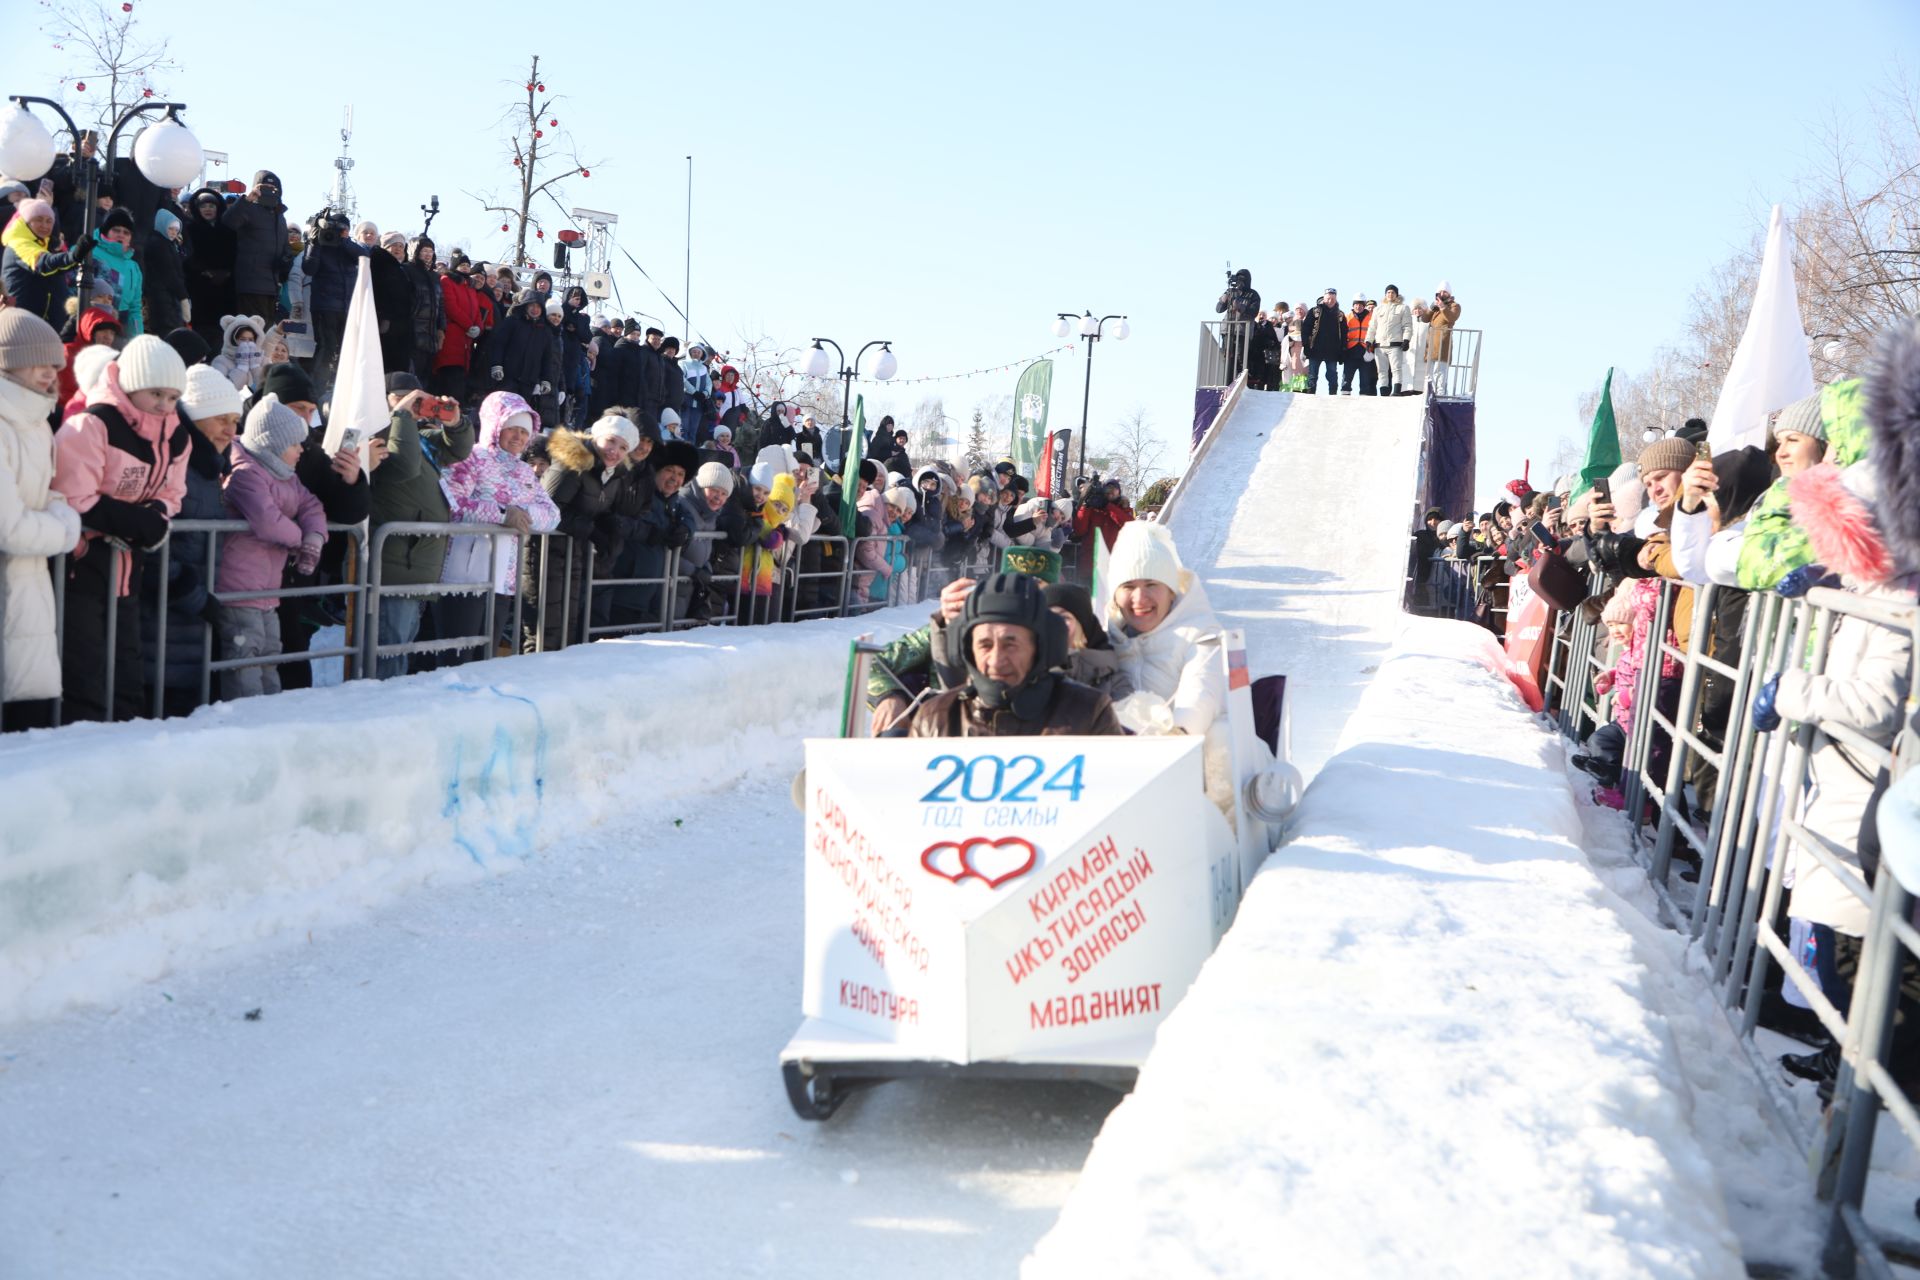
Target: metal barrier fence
[1458, 377]
[1734, 799]
[1223, 352]
[551, 569]
[1459, 589]
[1225, 344]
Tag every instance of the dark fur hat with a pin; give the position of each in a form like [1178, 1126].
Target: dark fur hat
[1893, 412]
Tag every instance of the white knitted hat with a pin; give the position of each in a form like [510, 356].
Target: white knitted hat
[148, 364]
[89, 363]
[613, 425]
[209, 394]
[712, 475]
[1145, 550]
[902, 497]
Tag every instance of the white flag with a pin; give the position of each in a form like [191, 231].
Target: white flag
[359, 402]
[1771, 368]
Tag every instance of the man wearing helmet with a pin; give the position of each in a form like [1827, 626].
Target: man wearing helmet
[1011, 643]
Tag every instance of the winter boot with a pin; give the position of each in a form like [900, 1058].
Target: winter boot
[1820, 1065]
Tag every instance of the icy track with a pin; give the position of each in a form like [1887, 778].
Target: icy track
[568, 1069]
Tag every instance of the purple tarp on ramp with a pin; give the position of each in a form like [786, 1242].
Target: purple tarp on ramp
[1206, 407]
[1449, 479]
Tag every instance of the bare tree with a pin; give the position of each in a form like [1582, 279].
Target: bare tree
[927, 432]
[113, 64]
[534, 139]
[1134, 453]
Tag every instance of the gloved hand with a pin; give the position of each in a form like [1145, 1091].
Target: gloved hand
[1096, 498]
[541, 388]
[149, 525]
[678, 534]
[1765, 718]
[308, 558]
[497, 373]
[82, 249]
[1805, 579]
[473, 331]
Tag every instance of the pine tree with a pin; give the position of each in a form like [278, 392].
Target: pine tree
[979, 454]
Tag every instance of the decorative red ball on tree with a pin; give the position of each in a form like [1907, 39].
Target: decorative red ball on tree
[529, 88]
[538, 134]
[542, 88]
[503, 226]
[126, 8]
[585, 173]
[539, 235]
[516, 162]
[81, 87]
[553, 124]
[146, 93]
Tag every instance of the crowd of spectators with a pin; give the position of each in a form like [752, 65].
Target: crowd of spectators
[194, 384]
[1833, 500]
[1384, 347]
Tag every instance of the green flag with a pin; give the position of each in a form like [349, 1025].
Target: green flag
[1603, 442]
[1030, 398]
[850, 471]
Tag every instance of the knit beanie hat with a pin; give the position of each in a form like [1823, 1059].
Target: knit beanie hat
[116, 219]
[712, 475]
[148, 364]
[1145, 550]
[28, 210]
[288, 382]
[88, 364]
[402, 382]
[190, 346]
[27, 340]
[1671, 454]
[271, 428]
[764, 474]
[1073, 597]
[1619, 609]
[902, 497]
[210, 394]
[164, 221]
[1803, 418]
[611, 426]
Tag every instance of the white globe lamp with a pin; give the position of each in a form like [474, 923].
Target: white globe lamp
[884, 365]
[26, 148]
[168, 154]
[1062, 327]
[819, 364]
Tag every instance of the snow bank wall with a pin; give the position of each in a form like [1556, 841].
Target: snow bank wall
[1424, 1046]
[127, 848]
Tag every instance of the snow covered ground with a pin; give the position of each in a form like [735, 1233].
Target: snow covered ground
[1427, 1046]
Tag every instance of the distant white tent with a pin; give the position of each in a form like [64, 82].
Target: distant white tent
[359, 401]
[1772, 367]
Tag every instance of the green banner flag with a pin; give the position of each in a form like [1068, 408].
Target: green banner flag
[1030, 400]
[850, 472]
[1603, 442]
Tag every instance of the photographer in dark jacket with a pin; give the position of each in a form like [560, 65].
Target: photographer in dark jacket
[1239, 305]
[210, 256]
[258, 221]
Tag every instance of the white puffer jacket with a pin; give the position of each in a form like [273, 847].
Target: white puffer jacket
[35, 522]
[1391, 322]
[1864, 688]
[1178, 677]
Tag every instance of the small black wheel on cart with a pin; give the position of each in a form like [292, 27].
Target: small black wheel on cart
[814, 1094]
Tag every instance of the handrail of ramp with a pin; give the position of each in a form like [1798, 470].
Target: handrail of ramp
[1227, 404]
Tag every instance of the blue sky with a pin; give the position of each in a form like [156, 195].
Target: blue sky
[950, 177]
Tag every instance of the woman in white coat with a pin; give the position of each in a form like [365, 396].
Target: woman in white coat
[35, 521]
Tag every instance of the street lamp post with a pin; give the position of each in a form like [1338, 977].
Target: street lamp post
[1092, 330]
[166, 153]
[819, 365]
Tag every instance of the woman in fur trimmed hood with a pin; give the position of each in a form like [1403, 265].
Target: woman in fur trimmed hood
[591, 479]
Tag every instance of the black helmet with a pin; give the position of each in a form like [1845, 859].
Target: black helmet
[1019, 599]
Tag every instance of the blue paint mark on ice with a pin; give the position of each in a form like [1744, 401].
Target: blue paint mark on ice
[487, 813]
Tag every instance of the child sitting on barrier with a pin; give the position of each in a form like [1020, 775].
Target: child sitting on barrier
[283, 519]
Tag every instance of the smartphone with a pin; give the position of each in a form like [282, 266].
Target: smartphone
[440, 409]
[350, 439]
[1703, 452]
[1603, 490]
[1543, 534]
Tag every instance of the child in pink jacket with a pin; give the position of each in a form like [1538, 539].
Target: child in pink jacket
[283, 519]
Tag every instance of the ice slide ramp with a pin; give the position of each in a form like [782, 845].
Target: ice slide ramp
[1294, 514]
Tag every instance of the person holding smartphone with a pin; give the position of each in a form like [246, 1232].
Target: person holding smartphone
[407, 488]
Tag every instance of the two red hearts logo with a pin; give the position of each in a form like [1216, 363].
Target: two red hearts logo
[992, 862]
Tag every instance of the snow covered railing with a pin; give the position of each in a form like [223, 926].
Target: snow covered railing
[1757, 826]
